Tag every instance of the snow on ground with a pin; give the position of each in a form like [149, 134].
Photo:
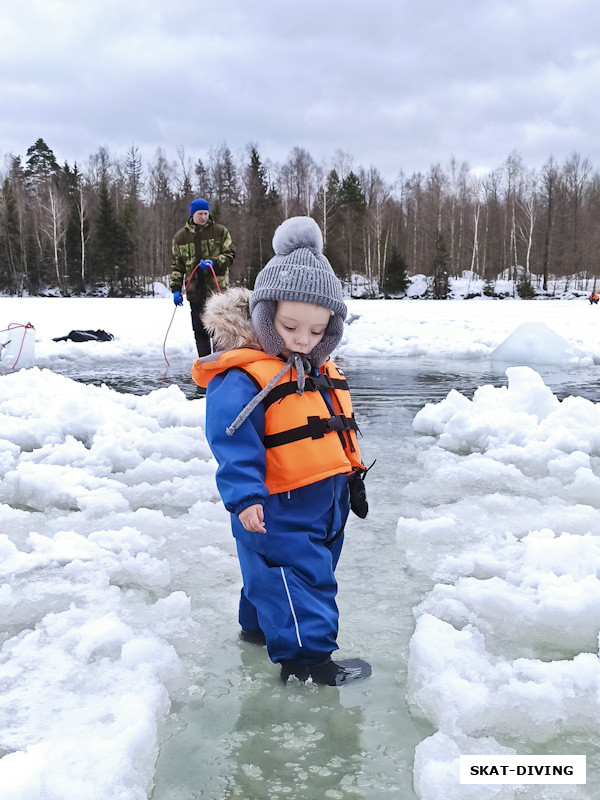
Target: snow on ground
[505, 520]
[440, 330]
[92, 483]
[504, 523]
[467, 329]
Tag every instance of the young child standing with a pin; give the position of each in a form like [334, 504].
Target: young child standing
[279, 421]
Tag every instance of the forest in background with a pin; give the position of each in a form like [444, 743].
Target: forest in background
[105, 228]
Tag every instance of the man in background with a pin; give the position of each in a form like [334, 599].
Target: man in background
[199, 242]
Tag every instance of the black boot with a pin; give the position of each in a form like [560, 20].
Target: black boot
[253, 637]
[328, 673]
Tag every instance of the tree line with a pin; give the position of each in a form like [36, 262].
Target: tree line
[107, 228]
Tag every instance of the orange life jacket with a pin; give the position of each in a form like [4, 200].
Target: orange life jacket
[304, 441]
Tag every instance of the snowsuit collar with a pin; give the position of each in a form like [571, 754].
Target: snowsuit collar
[227, 320]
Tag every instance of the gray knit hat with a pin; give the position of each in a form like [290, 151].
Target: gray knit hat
[298, 272]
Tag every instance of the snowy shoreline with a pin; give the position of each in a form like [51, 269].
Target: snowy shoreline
[437, 329]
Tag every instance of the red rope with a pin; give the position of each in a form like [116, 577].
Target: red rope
[176, 307]
[166, 334]
[190, 278]
[26, 327]
[216, 281]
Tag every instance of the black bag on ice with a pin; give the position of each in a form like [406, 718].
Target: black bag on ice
[86, 336]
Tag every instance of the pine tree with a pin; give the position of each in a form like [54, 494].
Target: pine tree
[352, 204]
[130, 258]
[524, 288]
[134, 182]
[71, 180]
[352, 195]
[225, 199]
[128, 223]
[441, 266]
[41, 165]
[11, 277]
[256, 226]
[106, 238]
[396, 279]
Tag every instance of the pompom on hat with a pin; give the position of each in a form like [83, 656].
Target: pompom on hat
[200, 204]
[298, 272]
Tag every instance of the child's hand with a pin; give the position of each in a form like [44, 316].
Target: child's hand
[252, 518]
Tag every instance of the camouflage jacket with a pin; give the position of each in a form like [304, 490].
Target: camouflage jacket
[191, 244]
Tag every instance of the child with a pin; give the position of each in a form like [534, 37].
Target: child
[279, 421]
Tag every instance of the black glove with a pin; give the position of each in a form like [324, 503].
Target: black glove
[358, 491]
[358, 495]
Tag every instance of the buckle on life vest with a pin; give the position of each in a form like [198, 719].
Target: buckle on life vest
[315, 428]
[318, 427]
[338, 423]
[321, 381]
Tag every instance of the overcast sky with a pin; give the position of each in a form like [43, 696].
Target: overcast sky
[396, 84]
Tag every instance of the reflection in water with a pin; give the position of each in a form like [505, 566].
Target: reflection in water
[297, 742]
[266, 741]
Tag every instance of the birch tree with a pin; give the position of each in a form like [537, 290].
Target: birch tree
[377, 194]
[528, 205]
[54, 224]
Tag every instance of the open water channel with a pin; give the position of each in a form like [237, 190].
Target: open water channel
[248, 737]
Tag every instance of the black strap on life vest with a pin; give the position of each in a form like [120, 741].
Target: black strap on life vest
[312, 383]
[316, 428]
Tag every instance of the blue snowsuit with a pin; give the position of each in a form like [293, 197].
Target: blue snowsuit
[289, 585]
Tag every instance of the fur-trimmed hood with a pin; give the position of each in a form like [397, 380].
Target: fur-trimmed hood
[226, 318]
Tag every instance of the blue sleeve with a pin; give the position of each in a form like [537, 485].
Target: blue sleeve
[241, 457]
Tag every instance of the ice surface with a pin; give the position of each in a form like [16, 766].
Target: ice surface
[442, 331]
[97, 487]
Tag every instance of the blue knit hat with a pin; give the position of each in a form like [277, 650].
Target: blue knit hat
[199, 205]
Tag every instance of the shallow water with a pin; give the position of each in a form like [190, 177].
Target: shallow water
[406, 381]
[246, 736]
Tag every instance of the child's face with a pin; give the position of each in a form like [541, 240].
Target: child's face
[300, 325]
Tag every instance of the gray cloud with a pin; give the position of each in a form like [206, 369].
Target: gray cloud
[398, 84]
